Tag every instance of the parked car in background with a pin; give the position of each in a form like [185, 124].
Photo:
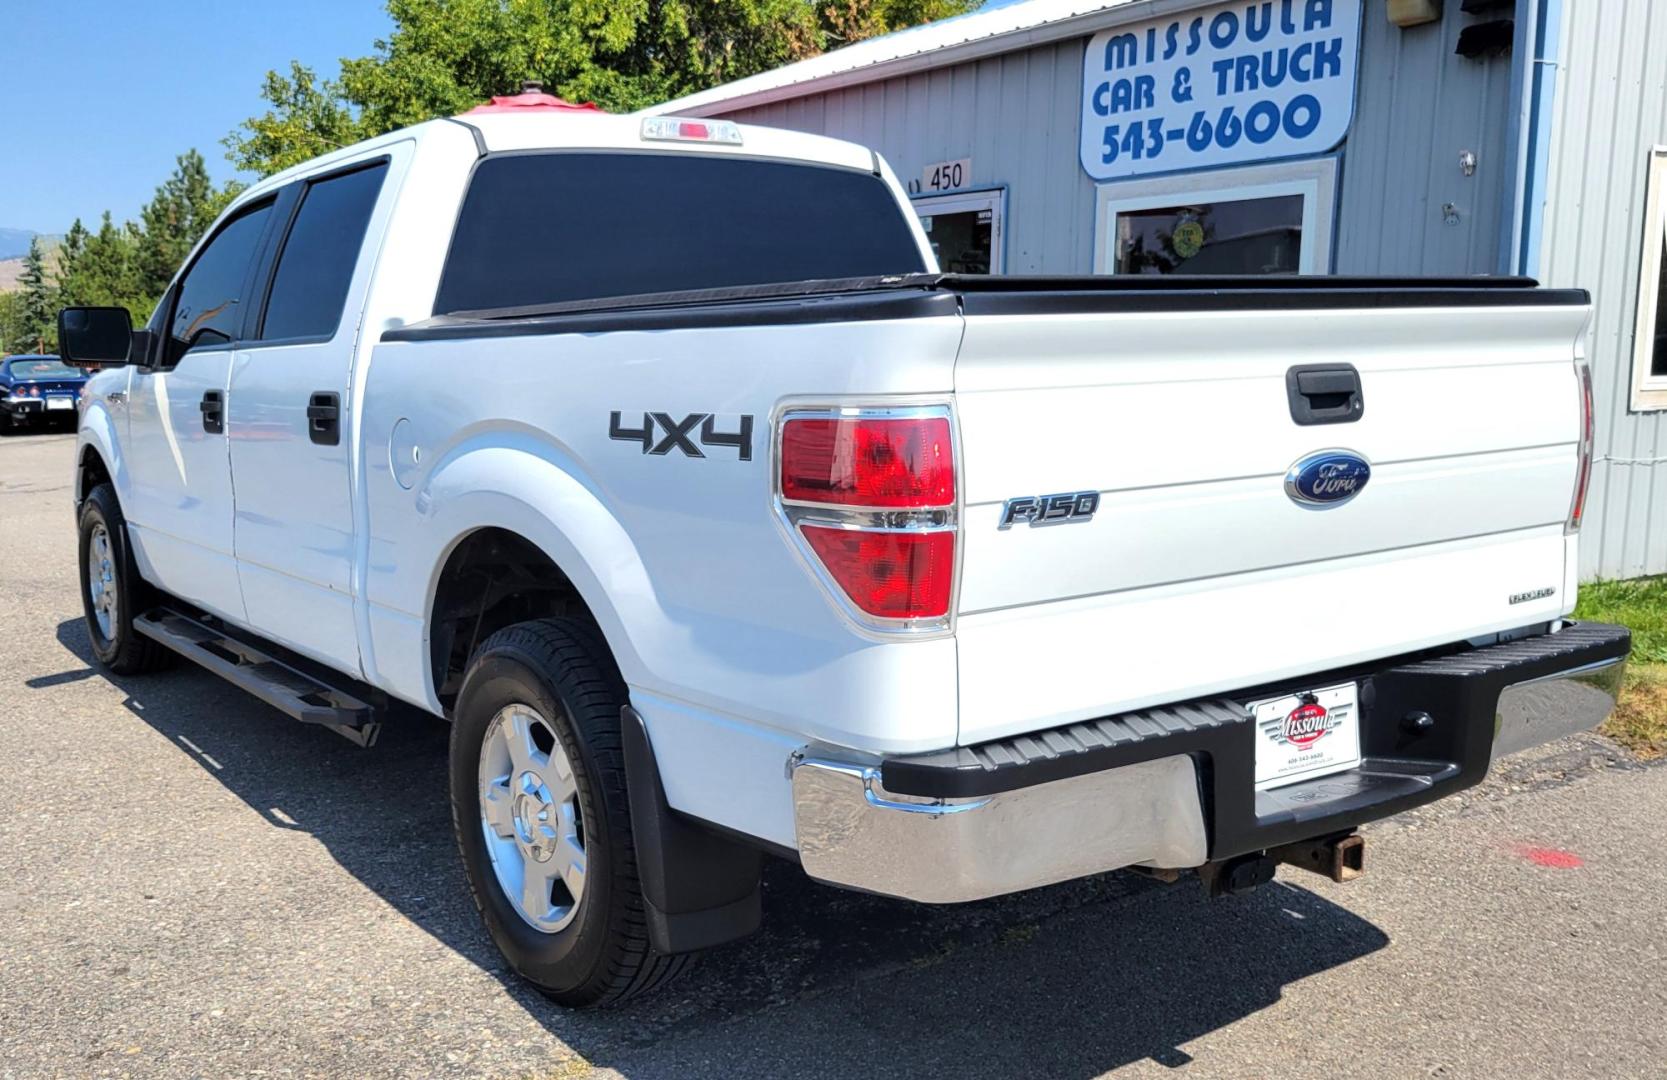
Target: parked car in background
[38, 390]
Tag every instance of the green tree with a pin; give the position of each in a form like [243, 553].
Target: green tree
[38, 329]
[102, 268]
[11, 322]
[445, 56]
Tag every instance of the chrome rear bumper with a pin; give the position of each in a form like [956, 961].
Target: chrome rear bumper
[942, 851]
[1174, 787]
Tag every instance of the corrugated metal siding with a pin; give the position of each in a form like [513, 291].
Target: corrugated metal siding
[1418, 106]
[1611, 109]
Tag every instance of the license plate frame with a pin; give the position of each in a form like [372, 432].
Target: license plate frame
[54, 404]
[1294, 743]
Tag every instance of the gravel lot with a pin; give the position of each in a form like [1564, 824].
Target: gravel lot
[192, 885]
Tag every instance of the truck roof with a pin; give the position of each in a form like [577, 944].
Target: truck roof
[510, 123]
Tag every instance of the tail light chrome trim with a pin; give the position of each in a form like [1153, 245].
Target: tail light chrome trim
[793, 514]
[1588, 432]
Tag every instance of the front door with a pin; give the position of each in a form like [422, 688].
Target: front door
[289, 422]
[178, 495]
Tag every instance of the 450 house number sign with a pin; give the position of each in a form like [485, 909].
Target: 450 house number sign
[1251, 80]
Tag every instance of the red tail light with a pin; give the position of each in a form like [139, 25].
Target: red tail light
[1588, 431]
[871, 495]
[857, 462]
[893, 575]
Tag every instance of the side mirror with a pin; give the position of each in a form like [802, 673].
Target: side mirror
[95, 337]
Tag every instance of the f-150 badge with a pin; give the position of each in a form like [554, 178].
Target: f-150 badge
[1060, 509]
[660, 434]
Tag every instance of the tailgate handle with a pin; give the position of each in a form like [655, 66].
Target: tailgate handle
[1325, 394]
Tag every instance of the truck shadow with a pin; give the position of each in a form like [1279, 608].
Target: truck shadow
[1067, 981]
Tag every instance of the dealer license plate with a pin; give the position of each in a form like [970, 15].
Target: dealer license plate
[1301, 736]
[60, 403]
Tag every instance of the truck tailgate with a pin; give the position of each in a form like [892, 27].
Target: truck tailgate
[1199, 573]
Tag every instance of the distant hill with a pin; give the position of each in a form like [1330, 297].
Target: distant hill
[14, 242]
[10, 271]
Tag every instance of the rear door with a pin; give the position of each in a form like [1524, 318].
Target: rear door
[178, 495]
[1199, 572]
[289, 421]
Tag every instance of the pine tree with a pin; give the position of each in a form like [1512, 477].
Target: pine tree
[39, 330]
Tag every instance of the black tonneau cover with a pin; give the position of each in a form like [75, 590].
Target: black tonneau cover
[924, 295]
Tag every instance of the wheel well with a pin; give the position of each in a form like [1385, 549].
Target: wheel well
[491, 580]
[91, 473]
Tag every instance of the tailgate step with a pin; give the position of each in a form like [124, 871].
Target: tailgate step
[281, 686]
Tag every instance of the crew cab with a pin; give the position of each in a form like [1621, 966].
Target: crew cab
[36, 389]
[656, 456]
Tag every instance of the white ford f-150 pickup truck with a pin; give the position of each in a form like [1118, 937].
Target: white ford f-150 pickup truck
[657, 457]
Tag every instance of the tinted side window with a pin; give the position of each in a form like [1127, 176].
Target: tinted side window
[210, 307]
[548, 228]
[316, 267]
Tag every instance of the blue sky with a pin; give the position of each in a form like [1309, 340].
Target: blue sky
[99, 96]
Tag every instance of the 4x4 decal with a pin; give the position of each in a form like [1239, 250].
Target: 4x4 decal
[679, 434]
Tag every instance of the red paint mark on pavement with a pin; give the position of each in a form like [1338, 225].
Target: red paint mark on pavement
[1555, 858]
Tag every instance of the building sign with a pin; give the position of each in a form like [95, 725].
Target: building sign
[1243, 81]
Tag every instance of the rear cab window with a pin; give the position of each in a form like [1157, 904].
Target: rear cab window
[554, 227]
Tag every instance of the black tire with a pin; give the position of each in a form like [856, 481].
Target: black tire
[562, 670]
[122, 650]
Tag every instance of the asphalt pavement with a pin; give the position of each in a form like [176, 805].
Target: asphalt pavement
[193, 885]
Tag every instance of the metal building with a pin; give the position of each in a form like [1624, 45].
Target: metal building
[1434, 137]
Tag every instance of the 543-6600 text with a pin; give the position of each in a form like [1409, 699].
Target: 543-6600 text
[1260, 123]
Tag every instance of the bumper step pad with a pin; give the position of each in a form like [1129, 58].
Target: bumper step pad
[1403, 764]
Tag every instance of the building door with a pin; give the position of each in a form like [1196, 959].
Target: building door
[1260, 219]
[965, 230]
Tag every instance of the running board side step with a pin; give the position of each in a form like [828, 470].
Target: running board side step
[281, 686]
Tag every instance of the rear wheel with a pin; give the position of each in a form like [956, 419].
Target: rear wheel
[542, 819]
[112, 592]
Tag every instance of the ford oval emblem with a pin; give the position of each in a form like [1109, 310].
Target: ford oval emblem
[1327, 478]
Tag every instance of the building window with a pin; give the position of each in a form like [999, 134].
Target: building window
[965, 230]
[1261, 219]
[1649, 344]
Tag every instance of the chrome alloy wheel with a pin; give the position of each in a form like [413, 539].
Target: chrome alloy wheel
[101, 581]
[529, 814]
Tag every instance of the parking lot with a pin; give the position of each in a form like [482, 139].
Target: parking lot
[192, 885]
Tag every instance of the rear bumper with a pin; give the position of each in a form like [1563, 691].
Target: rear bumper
[29, 408]
[1173, 787]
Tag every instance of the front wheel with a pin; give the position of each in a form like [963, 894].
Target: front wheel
[542, 819]
[112, 592]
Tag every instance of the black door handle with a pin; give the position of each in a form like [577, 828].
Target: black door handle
[324, 418]
[213, 408]
[1325, 394]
